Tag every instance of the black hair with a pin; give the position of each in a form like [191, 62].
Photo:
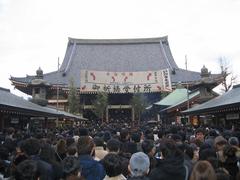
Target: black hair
[136, 137]
[112, 164]
[31, 146]
[200, 130]
[123, 134]
[147, 146]
[98, 141]
[169, 149]
[27, 170]
[47, 153]
[113, 145]
[71, 166]
[106, 136]
[83, 132]
[69, 141]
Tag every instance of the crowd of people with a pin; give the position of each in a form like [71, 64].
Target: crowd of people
[116, 151]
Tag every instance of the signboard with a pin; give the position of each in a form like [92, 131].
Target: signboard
[14, 120]
[125, 82]
[232, 116]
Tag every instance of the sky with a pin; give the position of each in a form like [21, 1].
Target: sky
[34, 33]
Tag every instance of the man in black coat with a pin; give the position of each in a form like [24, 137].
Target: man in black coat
[170, 167]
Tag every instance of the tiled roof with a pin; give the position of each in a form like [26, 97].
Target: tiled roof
[115, 55]
[8, 99]
[173, 98]
[184, 100]
[229, 98]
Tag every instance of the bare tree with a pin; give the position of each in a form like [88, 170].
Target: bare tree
[229, 79]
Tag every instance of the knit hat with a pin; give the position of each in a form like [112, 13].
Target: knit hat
[139, 164]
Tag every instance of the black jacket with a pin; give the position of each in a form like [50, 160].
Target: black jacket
[169, 169]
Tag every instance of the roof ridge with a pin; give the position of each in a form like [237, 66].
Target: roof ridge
[118, 41]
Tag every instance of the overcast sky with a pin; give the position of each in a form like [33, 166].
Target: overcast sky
[35, 33]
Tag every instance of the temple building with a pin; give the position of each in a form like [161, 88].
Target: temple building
[119, 67]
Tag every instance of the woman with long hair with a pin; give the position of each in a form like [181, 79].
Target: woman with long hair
[203, 170]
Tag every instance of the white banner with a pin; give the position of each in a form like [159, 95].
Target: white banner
[125, 82]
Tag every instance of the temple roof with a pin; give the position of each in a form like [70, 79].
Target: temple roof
[183, 100]
[11, 102]
[174, 97]
[115, 55]
[230, 98]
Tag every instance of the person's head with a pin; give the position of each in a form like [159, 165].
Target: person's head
[31, 146]
[210, 156]
[69, 141]
[61, 146]
[112, 165]
[72, 150]
[47, 153]
[148, 147]
[71, 167]
[139, 164]
[98, 141]
[27, 170]
[85, 145]
[212, 133]
[169, 149]
[136, 137]
[219, 143]
[233, 141]
[229, 152]
[124, 135]
[113, 145]
[199, 134]
[177, 138]
[106, 136]
[83, 132]
[203, 170]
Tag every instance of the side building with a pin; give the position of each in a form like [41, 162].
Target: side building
[119, 67]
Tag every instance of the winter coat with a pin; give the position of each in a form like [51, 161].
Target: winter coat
[91, 169]
[169, 169]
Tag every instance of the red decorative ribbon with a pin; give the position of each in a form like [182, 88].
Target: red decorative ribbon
[93, 75]
[148, 76]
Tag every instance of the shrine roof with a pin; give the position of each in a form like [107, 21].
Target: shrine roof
[115, 55]
[10, 100]
[229, 98]
[173, 98]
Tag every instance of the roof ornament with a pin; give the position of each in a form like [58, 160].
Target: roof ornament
[174, 71]
[204, 72]
[39, 73]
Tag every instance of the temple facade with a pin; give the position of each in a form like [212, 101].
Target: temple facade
[119, 67]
